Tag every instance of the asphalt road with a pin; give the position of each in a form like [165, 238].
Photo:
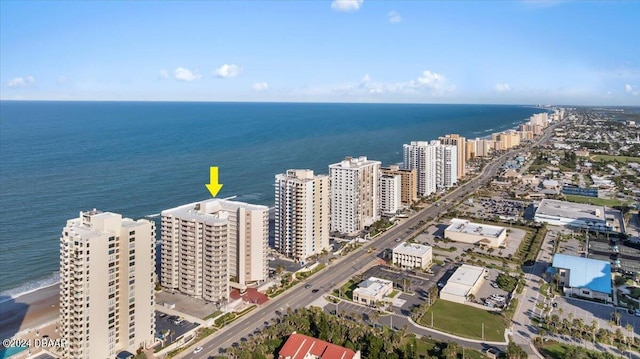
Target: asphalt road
[345, 267]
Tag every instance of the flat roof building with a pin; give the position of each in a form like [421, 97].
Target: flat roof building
[210, 245]
[584, 277]
[412, 255]
[355, 194]
[372, 291]
[580, 215]
[408, 182]
[462, 230]
[301, 214]
[466, 280]
[390, 194]
[109, 262]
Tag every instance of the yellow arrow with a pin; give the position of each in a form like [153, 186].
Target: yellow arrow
[213, 186]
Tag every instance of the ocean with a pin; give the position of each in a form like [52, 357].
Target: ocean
[139, 158]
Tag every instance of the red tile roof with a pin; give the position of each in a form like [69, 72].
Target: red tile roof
[298, 345]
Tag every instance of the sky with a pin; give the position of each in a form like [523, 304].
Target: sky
[475, 52]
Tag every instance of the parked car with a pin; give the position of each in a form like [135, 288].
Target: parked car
[495, 285]
[197, 350]
[637, 313]
[307, 286]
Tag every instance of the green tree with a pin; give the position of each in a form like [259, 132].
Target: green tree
[451, 351]
[514, 351]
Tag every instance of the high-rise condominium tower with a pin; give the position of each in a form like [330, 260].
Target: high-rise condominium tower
[390, 194]
[301, 214]
[107, 278]
[446, 165]
[355, 201]
[210, 245]
[459, 142]
[421, 156]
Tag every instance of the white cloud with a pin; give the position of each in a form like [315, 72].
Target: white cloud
[432, 83]
[394, 17]
[226, 71]
[62, 80]
[260, 86]
[18, 82]
[163, 74]
[183, 74]
[629, 89]
[502, 87]
[429, 82]
[346, 5]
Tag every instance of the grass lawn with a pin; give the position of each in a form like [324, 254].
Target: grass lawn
[559, 351]
[595, 201]
[465, 321]
[624, 159]
[347, 289]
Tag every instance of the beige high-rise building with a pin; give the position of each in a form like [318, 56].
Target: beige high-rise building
[459, 142]
[301, 214]
[355, 201]
[470, 150]
[211, 245]
[409, 182]
[107, 279]
[506, 140]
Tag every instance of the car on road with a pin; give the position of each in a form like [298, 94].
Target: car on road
[307, 286]
[197, 350]
[315, 290]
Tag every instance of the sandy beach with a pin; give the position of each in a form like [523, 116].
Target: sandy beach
[31, 310]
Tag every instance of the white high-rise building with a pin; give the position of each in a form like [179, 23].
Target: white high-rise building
[301, 214]
[446, 165]
[355, 201]
[211, 245]
[420, 155]
[107, 279]
[459, 142]
[390, 194]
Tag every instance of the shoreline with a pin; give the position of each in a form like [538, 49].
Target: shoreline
[36, 307]
[29, 311]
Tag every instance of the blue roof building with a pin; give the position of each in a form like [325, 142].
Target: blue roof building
[584, 277]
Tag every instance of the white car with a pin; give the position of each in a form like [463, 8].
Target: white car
[197, 350]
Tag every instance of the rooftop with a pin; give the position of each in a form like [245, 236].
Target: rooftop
[412, 249]
[372, 286]
[555, 208]
[466, 275]
[484, 230]
[300, 346]
[585, 272]
[212, 210]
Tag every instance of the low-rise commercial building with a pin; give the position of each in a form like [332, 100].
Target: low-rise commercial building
[583, 277]
[372, 291]
[412, 255]
[465, 281]
[462, 230]
[580, 215]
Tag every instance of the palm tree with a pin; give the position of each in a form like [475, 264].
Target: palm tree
[451, 351]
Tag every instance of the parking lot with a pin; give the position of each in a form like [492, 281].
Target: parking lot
[416, 280]
[589, 311]
[488, 208]
[185, 304]
[621, 256]
[166, 322]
